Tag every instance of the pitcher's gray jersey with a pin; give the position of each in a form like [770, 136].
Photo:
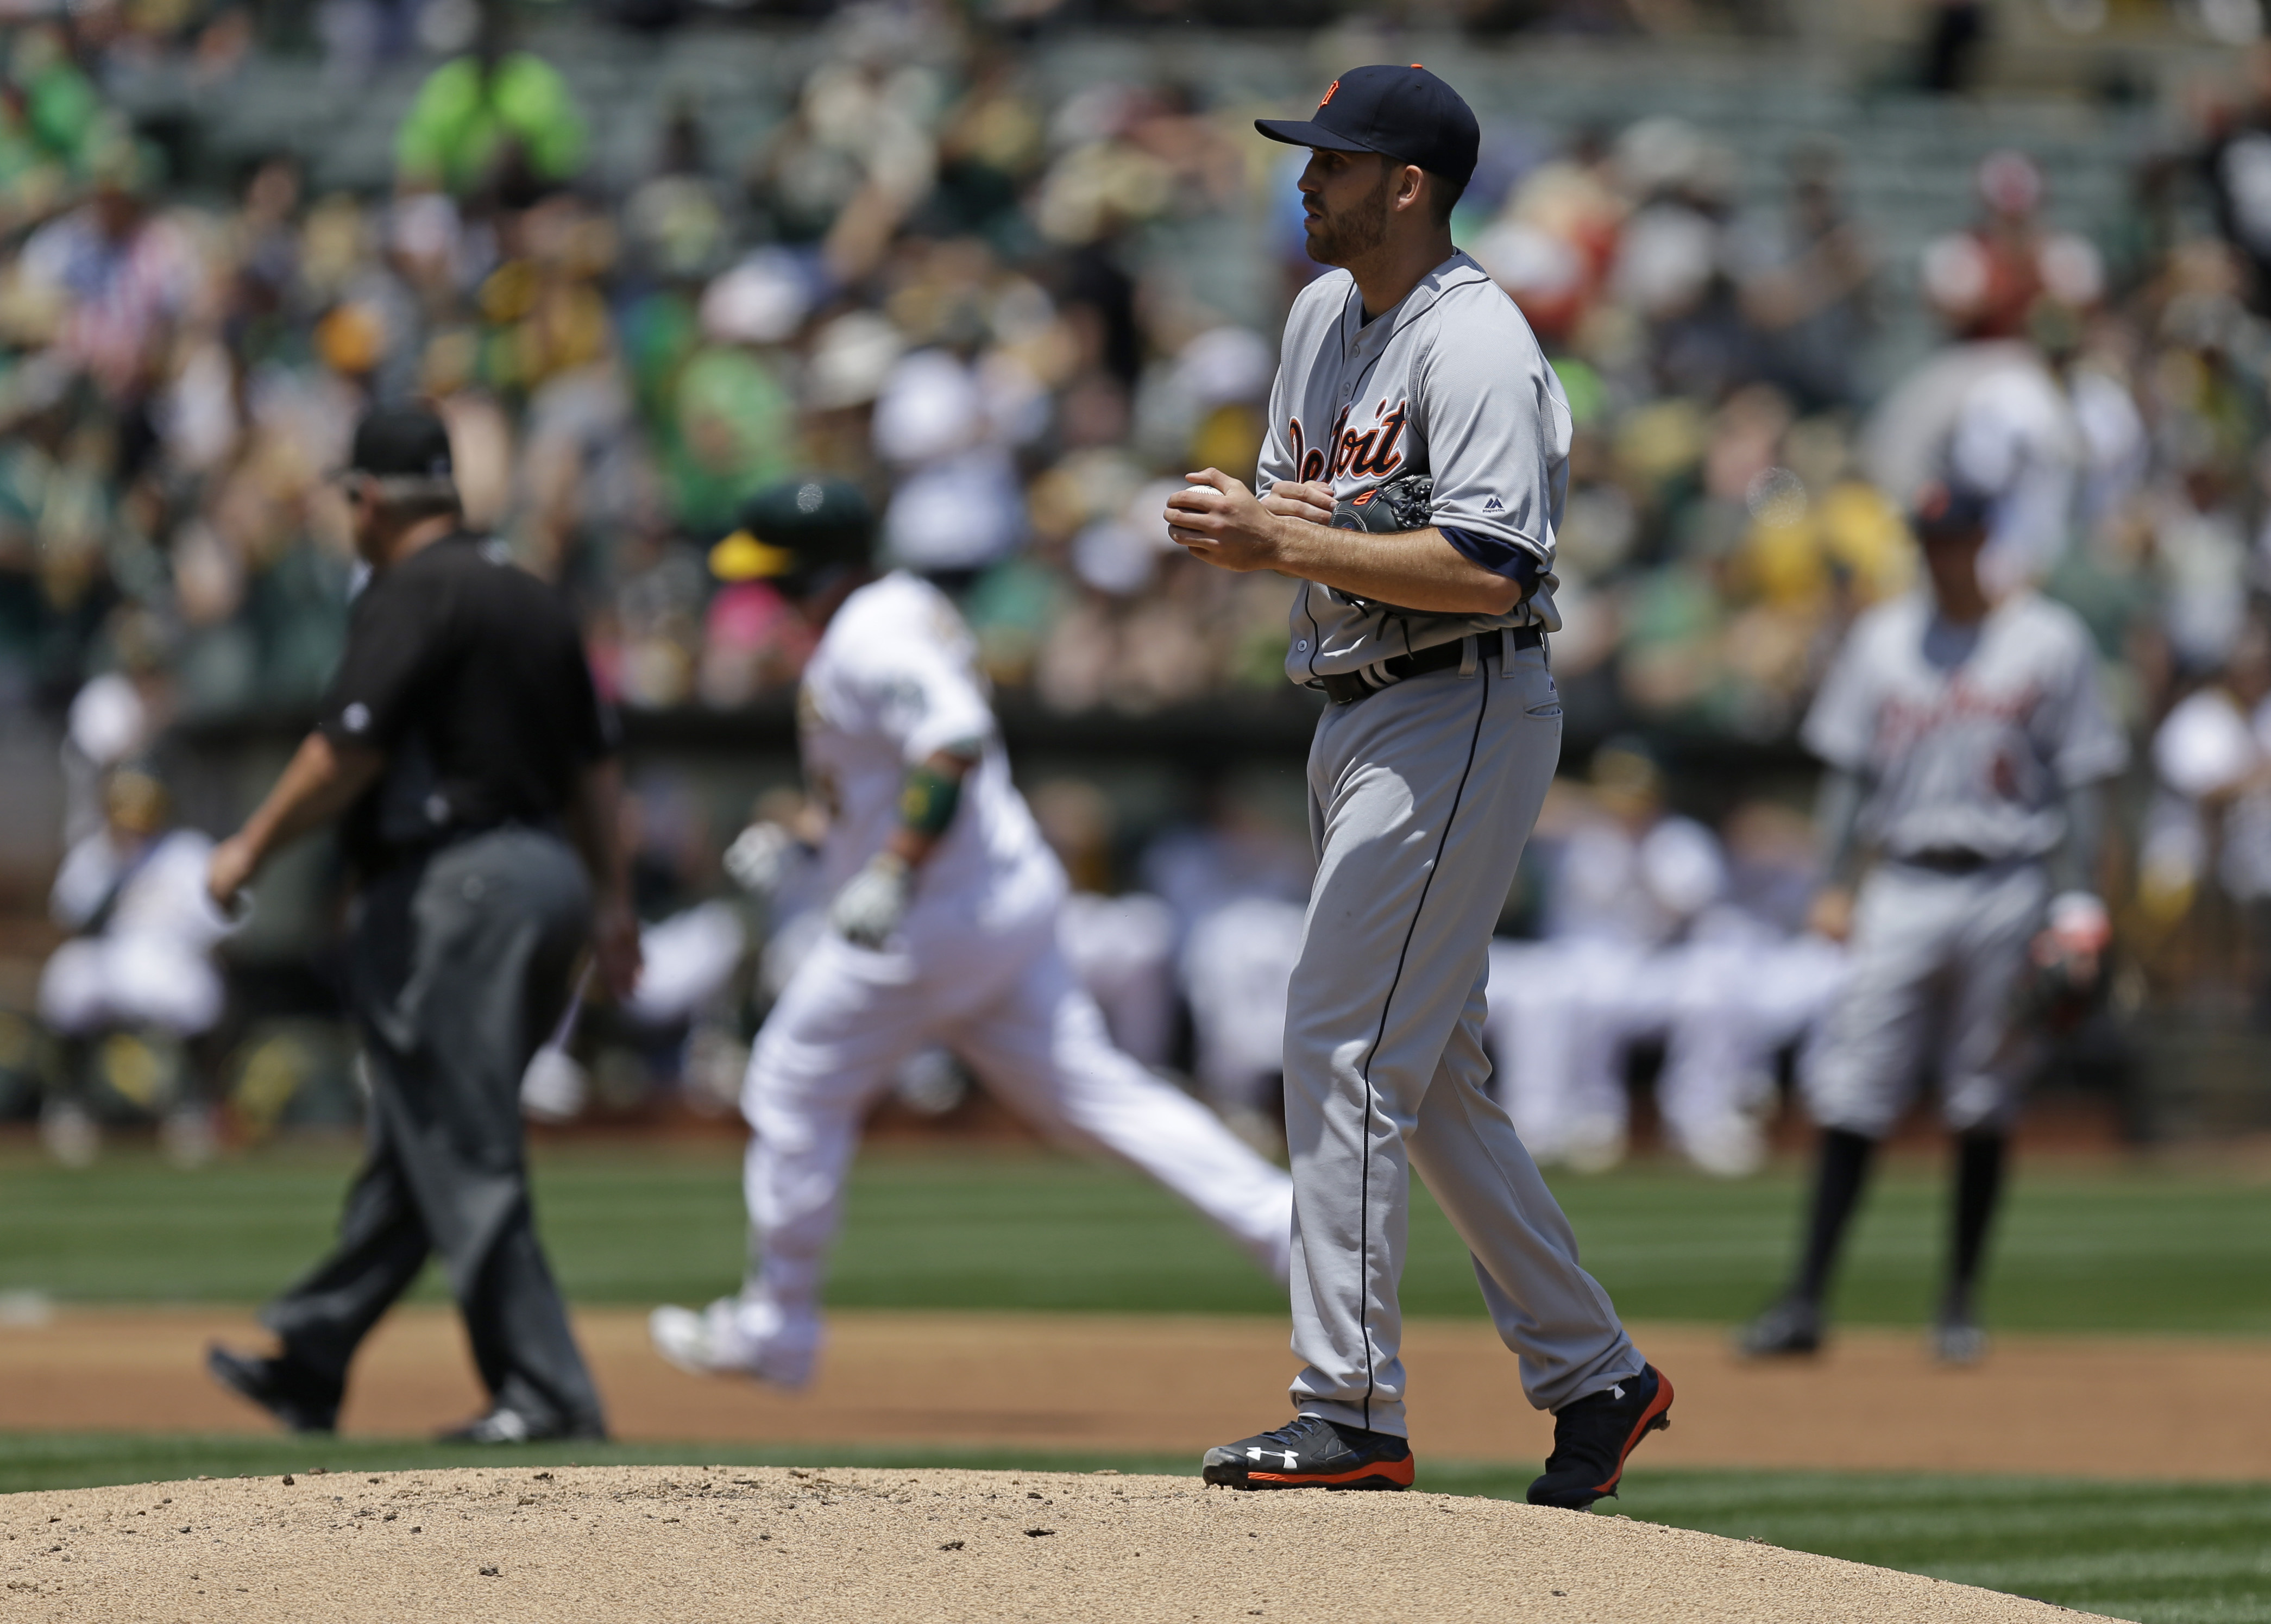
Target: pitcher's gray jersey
[1450, 384]
[1970, 747]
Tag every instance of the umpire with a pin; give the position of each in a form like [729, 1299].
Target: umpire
[463, 747]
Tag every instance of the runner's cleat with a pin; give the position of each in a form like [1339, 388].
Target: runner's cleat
[717, 1341]
[1592, 1436]
[1311, 1452]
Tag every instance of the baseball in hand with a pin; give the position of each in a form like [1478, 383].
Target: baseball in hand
[1182, 505]
[1221, 521]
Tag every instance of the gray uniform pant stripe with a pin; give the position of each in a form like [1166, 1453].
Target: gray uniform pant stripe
[1420, 800]
[1481, 706]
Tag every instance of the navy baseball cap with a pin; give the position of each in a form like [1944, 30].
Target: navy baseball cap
[1406, 114]
[1946, 509]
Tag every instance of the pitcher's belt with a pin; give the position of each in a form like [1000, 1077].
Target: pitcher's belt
[1348, 687]
[1948, 860]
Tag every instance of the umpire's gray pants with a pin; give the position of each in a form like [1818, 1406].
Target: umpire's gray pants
[1421, 797]
[458, 969]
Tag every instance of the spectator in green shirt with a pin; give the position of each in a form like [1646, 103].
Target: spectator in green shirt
[497, 117]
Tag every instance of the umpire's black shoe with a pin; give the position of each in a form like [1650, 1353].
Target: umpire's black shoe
[506, 1425]
[1592, 1436]
[1791, 1327]
[304, 1403]
[1311, 1452]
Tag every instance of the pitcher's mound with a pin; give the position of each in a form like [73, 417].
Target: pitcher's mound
[501, 1542]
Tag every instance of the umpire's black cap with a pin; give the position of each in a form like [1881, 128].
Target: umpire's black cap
[401, 442]
[794, 531]
[1407, 113]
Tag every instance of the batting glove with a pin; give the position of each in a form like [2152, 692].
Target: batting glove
[869, 908]
[759, 858]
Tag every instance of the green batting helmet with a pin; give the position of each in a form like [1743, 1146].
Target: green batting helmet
[795, 532]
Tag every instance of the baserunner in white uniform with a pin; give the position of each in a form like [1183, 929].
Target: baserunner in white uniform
[1967, 745]
[944, 932]
[1412, 480]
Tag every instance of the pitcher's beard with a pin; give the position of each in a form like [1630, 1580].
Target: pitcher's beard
[1343, 237]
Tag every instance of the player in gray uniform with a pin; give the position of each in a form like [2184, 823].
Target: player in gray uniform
[1423, 617]
[1968, 743]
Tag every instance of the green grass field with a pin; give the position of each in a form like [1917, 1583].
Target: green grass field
[2105, 1250]
[2147, 1250]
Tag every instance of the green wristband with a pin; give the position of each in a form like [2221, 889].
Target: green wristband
[927, 799]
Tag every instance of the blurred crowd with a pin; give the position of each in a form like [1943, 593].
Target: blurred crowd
[921, 279]
[970, 301]
[979, 303]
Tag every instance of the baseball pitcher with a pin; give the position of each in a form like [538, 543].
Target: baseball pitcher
[1412, 480]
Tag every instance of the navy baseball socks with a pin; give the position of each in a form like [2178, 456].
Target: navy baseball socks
[1311, 1452]
[1592, 1436]
[1794, 1325]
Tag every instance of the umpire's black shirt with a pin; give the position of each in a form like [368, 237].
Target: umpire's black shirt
[468, 672]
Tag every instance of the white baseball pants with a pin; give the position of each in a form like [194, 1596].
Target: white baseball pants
[1736, 1000]
[1236, 967]
[129, 979]
[1001, 997]
[1563, 1012]
[1421, 797]
[1122, 949]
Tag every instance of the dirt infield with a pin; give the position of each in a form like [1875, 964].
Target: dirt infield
[2094, 1407]
[678, 1543]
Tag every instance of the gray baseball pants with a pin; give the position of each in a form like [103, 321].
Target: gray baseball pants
[459, 969]
[1421, 797]
[1936, 961]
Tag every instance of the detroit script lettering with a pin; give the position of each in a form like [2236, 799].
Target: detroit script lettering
[1373, 451]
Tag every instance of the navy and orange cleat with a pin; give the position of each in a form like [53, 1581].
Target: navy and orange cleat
[1311, 1452]
[1592, 1436]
